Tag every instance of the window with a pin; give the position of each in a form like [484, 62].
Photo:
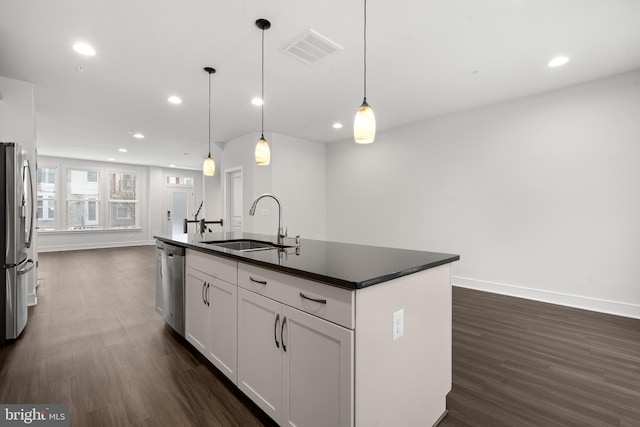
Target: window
[179, 180]
[83, 199]
[123, 199]
[46, 195]
[78, 198]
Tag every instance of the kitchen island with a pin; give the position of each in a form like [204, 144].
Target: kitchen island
[324, 333]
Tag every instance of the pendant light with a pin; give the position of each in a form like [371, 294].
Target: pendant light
[263, 153]
[209, 165]
[364, 125]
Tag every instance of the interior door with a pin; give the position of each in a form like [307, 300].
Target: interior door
[178, 206]
[234, 199]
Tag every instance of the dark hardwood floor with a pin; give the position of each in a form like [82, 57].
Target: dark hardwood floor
[524, 363]
[95, 341]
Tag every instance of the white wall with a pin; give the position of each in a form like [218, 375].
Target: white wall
[299, 179]
[296, 176]
[539, 196]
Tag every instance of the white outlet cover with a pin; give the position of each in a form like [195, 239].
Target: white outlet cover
[398, 324]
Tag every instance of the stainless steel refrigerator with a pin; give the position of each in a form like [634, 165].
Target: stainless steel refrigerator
[16, 218]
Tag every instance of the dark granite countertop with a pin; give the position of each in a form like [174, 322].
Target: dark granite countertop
[345, 265]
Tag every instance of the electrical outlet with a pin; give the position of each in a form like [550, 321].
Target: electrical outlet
[264, 211]
[398, 324]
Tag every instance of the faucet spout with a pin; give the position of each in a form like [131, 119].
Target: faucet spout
[252, 212]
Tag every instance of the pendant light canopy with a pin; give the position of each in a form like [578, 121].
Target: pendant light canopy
[209, 165]
[364, 125]
[263, 152]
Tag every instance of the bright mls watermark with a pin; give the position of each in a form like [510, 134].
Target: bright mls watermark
[34, 415]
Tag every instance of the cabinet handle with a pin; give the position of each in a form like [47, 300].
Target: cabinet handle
[321, 301]
[275, 330]
[284, 322]
[207, 293]
[262, 282]
[204, 301]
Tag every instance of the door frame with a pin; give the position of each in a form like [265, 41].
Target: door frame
[226, 182]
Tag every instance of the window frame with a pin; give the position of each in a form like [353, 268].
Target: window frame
[55, 199]
[111, 202]
[98, 200]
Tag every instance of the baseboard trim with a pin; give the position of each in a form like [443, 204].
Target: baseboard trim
[79, 247]
[586, 303]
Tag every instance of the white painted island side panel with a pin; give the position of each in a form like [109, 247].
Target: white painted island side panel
[404, 382]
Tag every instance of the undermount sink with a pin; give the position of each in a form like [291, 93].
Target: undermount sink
[244, 245]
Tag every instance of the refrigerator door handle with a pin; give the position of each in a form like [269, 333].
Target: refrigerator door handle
[27, 267]
[8, 287]
[29, 182]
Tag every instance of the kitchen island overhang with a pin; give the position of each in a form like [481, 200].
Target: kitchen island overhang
[347, 265]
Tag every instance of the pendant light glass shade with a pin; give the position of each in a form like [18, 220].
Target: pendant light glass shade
[364, 125]
[209, 165]
[263, 152]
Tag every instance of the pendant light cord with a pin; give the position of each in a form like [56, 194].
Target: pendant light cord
[262, 94]
[365, 51]
[209, 114]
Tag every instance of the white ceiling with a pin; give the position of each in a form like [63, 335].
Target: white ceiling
[426, 58]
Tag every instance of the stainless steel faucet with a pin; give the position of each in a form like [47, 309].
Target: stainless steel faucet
[281, 234]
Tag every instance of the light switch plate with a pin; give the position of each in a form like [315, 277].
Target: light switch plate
[398, 324]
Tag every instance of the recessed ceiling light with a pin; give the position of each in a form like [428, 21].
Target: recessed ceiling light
[172, 166]
[138, 135]
[257, 101]
[337, 125]
[111, 159]
[84, 49]
[174, 100]
[122, 150]
[558, 61]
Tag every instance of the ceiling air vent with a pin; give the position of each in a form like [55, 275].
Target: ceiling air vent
[311, 47]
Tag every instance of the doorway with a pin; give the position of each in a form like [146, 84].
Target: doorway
[233, 198]
[178, 206]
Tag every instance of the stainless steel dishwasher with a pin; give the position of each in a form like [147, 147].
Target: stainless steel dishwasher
[170, 295]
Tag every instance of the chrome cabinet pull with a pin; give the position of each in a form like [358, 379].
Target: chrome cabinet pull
[321, 301]
[275, 330]
[284, 322]
[262, 282]
[204, 301]
[207, 293]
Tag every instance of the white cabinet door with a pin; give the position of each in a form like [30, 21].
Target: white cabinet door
[222, 323]
[317, 371]
[296, 367]
[259, 351]
[195, 308]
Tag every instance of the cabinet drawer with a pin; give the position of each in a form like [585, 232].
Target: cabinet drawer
[332, 303]
[221, 268]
